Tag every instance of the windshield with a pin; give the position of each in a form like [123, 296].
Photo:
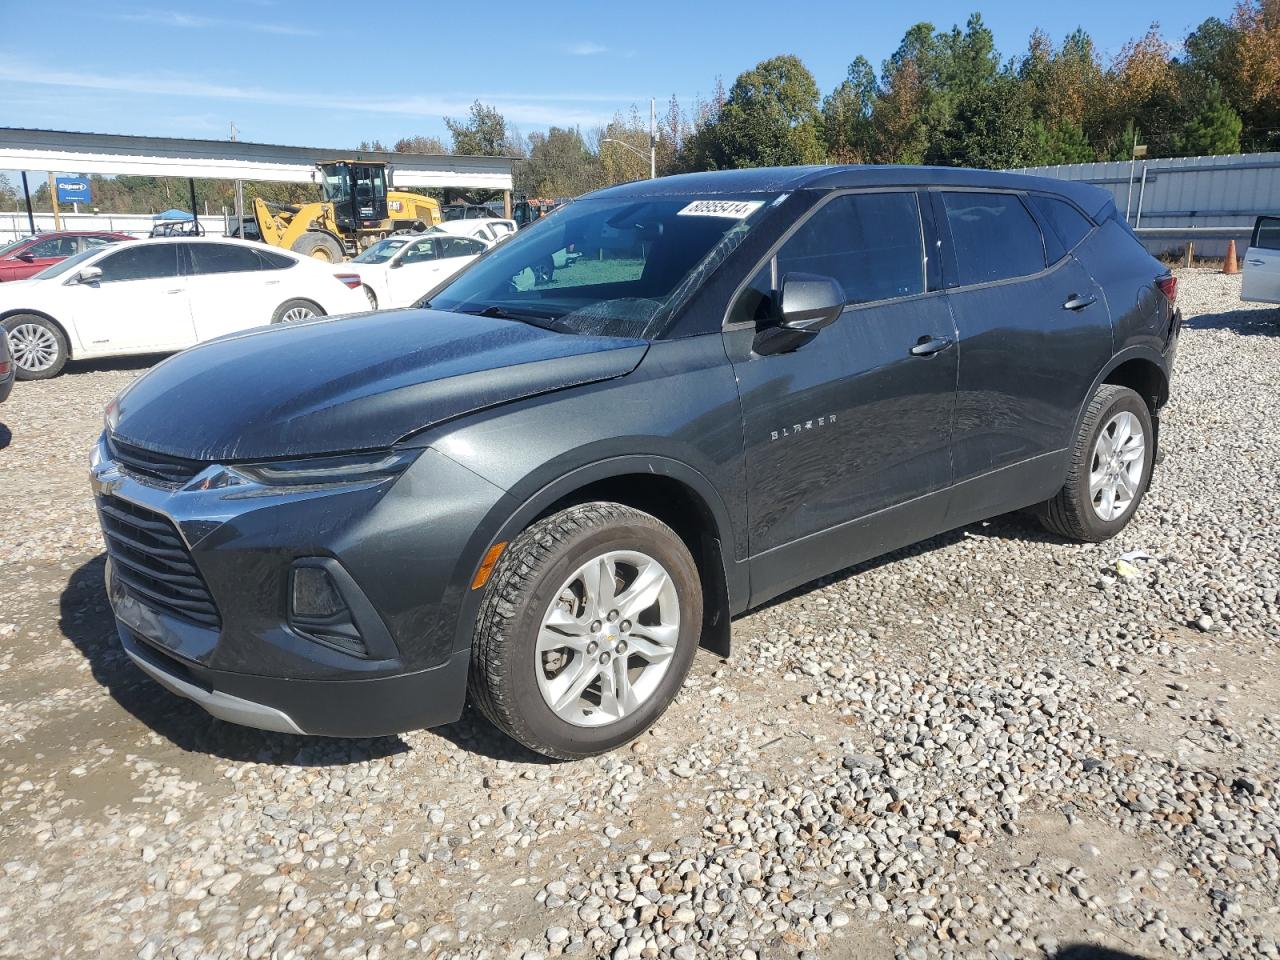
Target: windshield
[382, 251]
[605, 267]
[6, 247]
[62, 266]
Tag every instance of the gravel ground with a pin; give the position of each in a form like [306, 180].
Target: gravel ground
[991, 744]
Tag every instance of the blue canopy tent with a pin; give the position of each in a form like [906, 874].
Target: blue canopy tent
[174, 216]
[176, 223]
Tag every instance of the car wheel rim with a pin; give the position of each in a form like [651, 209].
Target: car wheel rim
[34, 347]
[1115, 471]
[298, 313]
[607, 639]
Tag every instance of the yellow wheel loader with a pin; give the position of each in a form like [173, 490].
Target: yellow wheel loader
[357, 210]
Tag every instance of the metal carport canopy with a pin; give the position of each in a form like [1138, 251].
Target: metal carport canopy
[103, 153]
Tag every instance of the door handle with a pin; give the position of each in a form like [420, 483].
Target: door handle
[1256, 263]
[179, 290]
[1077, 302]
[928, 346]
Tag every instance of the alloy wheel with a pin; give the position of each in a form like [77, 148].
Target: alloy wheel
[298, 313]
[1115, 471]
[34, 347]
[608, 638]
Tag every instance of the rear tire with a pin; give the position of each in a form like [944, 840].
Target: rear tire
[38, 346]
[292, 311]
[1108, 475]
[541, 588]
[319, 246]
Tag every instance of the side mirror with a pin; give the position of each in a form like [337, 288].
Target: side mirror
[397, 264]
[806, 304]
[26, 257]
[809, 302]
[89, 275]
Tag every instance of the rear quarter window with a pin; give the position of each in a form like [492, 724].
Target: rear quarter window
[994, 237]
[1068, 224]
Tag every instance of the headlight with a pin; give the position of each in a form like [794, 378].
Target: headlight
[350, 468]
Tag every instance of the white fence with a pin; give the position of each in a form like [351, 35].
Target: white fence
[14, 225]
[1184, 192]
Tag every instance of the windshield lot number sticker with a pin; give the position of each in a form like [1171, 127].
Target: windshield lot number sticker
[731, 209]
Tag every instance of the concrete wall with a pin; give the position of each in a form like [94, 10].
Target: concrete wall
[1225, 191]
[14, 225]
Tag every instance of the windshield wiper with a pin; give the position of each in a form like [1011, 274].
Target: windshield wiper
[502, 313]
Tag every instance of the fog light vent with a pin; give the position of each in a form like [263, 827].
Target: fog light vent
[318, 611]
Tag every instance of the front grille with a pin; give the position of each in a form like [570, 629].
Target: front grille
[149, 465]
[153, 564]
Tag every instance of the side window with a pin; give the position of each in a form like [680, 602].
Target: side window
[93, 243]
[222, 258]
[870, 243]
[418, 251]
[140, 261]
[994, 236]
[53, 247]
[755, 303]
[274, 261]
[1063, 219]
[460, 247]
[1266, 234]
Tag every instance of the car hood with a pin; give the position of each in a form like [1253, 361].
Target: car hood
[341, 384]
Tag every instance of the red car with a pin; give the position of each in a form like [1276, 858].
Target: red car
[27, 257]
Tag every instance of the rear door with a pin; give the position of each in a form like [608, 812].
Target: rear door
[1261, 281]
[139, 305]
[1034, 331]
[230, 289]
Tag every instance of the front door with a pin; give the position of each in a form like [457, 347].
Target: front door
[1261, 281]
[858, 420]
[139, 305]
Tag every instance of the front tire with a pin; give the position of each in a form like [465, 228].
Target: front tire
[371, 297]
[1110, 468]
[38, 346]
[318, 246]
[587, 629]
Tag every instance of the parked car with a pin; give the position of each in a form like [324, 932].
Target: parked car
[8, 373]
[492, 230]
[161, 295]
[396, 271]
[1260, 282]
[27, 257]
[547, 495]
[466, 211]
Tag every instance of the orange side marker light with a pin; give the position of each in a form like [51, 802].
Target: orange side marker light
[487, 564]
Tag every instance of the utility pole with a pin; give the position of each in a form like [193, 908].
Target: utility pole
[653, 138]
[53, 199]
[239, 194]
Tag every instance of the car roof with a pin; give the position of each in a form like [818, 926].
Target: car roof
[782, 179]
[50, 234]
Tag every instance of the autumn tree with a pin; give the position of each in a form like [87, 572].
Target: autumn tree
[846, 115]
[771, 117]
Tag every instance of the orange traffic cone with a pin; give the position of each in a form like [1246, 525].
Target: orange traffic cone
[1229, 265]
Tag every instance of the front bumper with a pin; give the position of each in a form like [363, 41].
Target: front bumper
[402, 545]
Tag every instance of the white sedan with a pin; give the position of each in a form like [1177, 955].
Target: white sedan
[398, 270]
[162, 295]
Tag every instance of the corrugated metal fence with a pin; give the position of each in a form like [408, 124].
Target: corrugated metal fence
[1167, 199]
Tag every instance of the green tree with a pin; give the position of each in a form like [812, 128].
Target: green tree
[990, 126]
[617, 163]
[846, 114]
[1063, 142]
[559, 165]
[771, 118]
[482, 134]
[430, 146]
[1213, 131]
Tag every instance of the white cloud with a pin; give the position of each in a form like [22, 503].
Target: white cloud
[188, 21]
[586, 49]
[537, 109]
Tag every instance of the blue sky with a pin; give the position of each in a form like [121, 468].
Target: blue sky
[314, 73]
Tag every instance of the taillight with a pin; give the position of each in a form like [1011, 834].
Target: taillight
[5, 367]
[351, 280]
[1168, 285]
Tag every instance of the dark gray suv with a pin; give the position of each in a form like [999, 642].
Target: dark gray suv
[663, 404]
